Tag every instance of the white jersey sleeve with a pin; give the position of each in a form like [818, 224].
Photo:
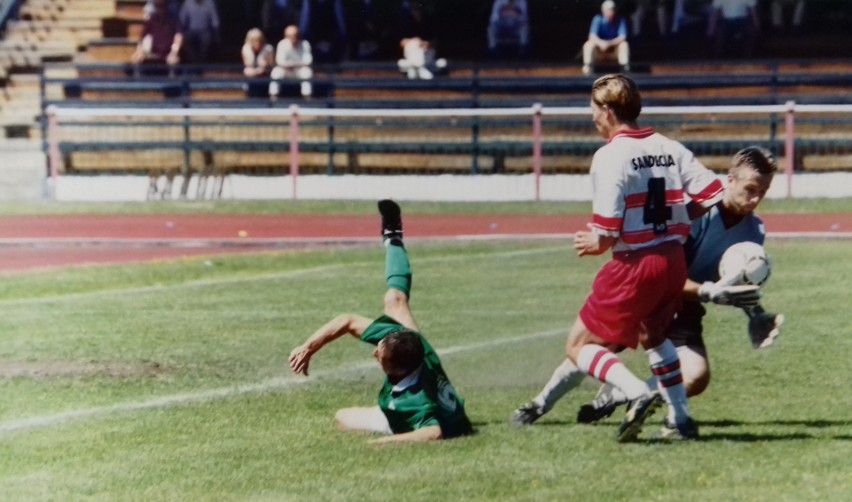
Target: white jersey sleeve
[700, 183]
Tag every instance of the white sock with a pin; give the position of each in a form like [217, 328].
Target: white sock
[665, 365]
[566, 377]
[607, 367]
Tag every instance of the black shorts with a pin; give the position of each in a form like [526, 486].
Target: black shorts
[686, 328]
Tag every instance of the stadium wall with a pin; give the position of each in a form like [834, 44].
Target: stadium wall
[420, 188]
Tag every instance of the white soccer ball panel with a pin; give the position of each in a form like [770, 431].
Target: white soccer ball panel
[748, 261]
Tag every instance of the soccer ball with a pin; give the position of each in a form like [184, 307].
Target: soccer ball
[748, 262]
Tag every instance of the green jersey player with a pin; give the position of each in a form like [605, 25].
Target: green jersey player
[417, 402]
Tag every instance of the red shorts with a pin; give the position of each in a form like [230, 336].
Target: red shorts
[636, 289]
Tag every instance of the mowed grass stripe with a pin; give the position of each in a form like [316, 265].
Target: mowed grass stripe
[57, 419]
[267, 276]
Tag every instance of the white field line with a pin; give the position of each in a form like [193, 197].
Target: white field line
[65, 417]
[272, 276]
[43, 421]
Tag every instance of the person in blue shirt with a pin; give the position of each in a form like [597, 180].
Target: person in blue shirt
[607, 39]
[730, 221]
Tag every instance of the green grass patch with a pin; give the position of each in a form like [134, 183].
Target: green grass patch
[168, 381]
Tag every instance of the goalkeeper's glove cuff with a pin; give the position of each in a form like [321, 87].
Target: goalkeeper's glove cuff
[706, 291]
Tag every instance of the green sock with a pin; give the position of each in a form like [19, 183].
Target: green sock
[398, 268]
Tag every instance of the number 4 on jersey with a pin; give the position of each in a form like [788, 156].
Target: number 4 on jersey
[657, 213]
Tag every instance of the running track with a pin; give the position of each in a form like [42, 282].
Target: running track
[31, 242]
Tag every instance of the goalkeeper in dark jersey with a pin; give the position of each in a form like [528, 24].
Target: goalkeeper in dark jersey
[416, 401]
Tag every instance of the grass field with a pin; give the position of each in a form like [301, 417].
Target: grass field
[168, 381]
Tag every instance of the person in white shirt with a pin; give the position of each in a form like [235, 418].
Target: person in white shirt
[293, 59]
[418, 59]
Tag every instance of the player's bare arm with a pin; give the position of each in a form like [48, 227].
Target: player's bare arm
[428, 433]
[690, 290]
[352, 324]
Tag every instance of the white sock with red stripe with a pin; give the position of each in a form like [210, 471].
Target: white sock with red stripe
[566, 377]
[665, 365]
[607, 367]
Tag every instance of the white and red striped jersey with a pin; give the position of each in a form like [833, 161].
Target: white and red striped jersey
[639, 180]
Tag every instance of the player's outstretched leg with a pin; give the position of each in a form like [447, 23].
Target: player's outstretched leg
[391, 222]
[397, 264]
[566, 377]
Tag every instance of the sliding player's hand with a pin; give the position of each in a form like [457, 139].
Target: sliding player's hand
[300, 359]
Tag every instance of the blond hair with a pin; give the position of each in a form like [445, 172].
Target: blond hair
[619, 94]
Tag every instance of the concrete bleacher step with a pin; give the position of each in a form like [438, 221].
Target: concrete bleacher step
[20, 107]
[117, 50]
[129, 9]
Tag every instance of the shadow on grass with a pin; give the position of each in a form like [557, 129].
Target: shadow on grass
[706, 435]
[751, 437]
[797, 423]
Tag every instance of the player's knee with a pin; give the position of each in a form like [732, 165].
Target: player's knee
[394, 299]
[694, 369]
[342, 418]
[696, 384]
[696, 376]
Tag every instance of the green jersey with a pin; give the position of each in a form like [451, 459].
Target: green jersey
[423, 398]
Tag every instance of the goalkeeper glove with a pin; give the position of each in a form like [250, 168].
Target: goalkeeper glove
[763, 327]
[743, 296]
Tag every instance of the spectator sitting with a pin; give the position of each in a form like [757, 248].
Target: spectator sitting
[258, 59]
[607, 39]
[733, 20]
[508, 28]
[293, 59]
[778, 14]
[258, 56]
[161, 39]
[200, 25]
[418, 61]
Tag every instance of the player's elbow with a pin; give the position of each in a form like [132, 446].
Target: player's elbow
[345, 323]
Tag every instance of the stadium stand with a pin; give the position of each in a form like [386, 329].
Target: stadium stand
[75, 53]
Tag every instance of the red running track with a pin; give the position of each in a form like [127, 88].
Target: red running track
[28, 242]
